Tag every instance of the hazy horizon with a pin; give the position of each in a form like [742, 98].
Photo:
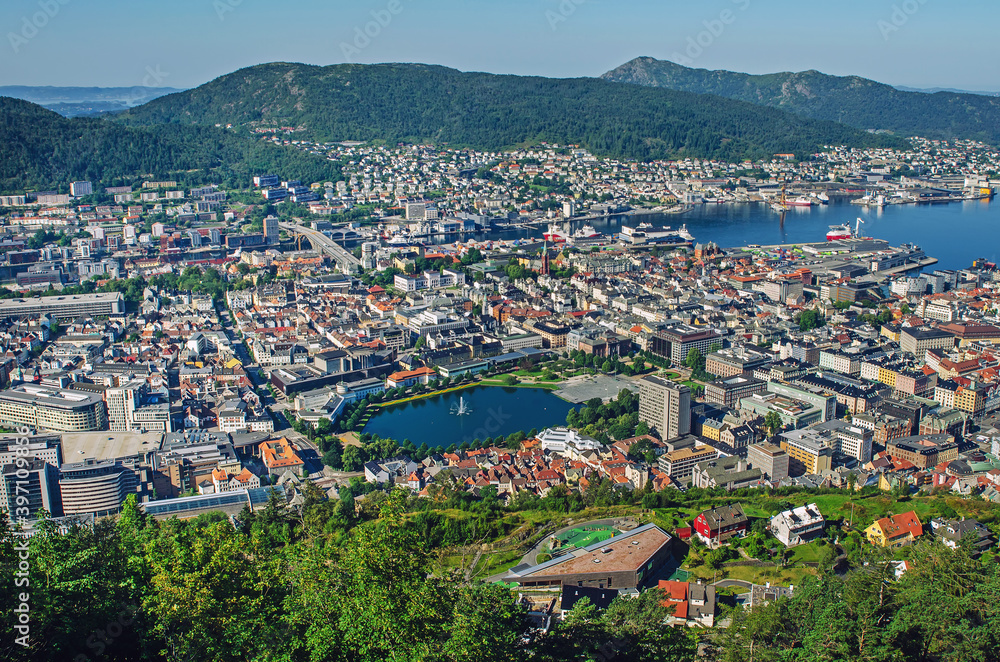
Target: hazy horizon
[190, 42]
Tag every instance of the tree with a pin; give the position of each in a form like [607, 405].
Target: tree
[773, 422]
[353, 458]
[810, 319]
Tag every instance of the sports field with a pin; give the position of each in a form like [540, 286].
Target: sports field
[588, 536]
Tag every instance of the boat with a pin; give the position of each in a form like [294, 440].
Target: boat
[800, 202]
[586, 232]
[823, 198]
[555, 234]
[838, 232]
[778, 207]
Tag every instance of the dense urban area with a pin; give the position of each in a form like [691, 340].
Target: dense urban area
[786, 452]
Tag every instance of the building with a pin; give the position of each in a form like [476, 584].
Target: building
[62, 307]
[124, 401]
[851, 440]
[718, 525]
[665, 406]
[729, 391]
[924, 451]
[821, 399]
[280, 456]
[689, 604]
[798, 525]
[793, 413]
[48, 408]
[429, 280]
[621, 563]
[80, 189]
[230, 503]
[895, 531]
[679, 464]
[224, 481]
[98, 487]
[33, 486]
[406, 378]
[675, 344]
[735, 361]
[271, 230]
[770, 459]
[807, 452]
[917, 340]
[728, 473]
[188, 459]
[952, 533]
[560, 440]
[599, 597]
[47, 448]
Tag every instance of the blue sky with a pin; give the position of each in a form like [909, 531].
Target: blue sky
[183, 43]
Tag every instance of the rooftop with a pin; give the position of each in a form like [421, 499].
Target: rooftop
[625, 553]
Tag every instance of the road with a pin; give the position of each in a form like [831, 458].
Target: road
[321, 242]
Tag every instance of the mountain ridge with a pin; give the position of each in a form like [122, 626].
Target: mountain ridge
[852, 100]
[404, 102]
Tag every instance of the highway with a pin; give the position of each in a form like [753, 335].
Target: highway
[323, 243]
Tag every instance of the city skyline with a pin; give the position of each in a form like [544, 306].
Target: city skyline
[191, 42]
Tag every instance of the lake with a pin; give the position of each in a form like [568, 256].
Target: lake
[954, 233]
[495, 411]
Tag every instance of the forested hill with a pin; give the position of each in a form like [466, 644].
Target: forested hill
[40, 149]
[416, 103]
[857, 102]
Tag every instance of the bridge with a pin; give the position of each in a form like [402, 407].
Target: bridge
[320, 242]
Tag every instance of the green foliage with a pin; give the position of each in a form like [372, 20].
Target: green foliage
[630, 629]
[44, 150]
[429, 103]
[855, 101]
[810, 319]
[773, 422]
[943, 608]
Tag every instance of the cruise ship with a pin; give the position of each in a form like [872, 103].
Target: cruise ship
[647, 234]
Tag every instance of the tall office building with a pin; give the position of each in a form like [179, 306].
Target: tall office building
[34, 486]
[665, 406]
[271, 230]
[122, 402]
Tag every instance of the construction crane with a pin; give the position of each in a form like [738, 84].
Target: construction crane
[857, 227]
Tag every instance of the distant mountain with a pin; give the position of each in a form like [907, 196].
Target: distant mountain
[42, 150]
[418, 103]
[76, 101]
[935, 90]
[855, 101]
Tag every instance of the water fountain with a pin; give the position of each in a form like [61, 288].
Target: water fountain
[461, 409]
